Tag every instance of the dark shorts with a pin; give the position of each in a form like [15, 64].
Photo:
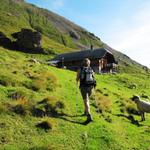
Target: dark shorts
[86, 91]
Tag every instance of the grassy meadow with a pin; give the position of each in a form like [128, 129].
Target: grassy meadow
[41, 107]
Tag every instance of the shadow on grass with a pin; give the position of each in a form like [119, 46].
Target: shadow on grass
[74, 121]
[130, 118]
[74, 116]
[63, 117]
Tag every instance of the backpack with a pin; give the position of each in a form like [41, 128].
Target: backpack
[87, 77]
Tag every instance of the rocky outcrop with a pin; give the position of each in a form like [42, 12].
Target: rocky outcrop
[74, 35]
[28, 39]
[4, 41]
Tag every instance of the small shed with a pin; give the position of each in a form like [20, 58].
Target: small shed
[102, 60]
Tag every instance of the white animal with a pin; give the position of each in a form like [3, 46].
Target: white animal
[142, 106]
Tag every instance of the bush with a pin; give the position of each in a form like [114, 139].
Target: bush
[18, 93]
[39, 84]
[107, 118]
[7, 80]
[53, 106]
[49, 106]
[38, 111]
[132, 86]
[3, 108]
[103, 102]
[46, 124]
[21, 106]
[45, 81]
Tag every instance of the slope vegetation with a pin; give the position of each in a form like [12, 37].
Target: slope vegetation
[41, 107]
[18, 14]
[59, 34]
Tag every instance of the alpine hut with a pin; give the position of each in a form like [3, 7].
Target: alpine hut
[102, 60]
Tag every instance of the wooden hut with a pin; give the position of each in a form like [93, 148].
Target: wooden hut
[102, 60]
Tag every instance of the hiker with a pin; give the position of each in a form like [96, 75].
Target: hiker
[85, 75]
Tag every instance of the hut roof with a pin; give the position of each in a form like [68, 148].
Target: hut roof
[80, 55]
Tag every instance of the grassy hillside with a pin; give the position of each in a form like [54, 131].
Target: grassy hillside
[41, 106]
[59, 34]
[38, 108]
[15, 15]
[126, 64]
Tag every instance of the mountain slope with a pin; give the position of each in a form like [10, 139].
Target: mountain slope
[59, 34]
[126, 64]
[18, 14]
[32, 93]
[41, 106]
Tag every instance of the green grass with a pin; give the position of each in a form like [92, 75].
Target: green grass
[110, 130]
[15, 16]
[35, 93]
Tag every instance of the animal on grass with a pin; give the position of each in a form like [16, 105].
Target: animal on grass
[142, 106]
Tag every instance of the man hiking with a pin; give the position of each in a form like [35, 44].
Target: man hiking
[85, 75]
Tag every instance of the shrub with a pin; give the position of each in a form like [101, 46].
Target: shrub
[107, 118]
[49, 106]
[46, 124]
[39, 84]
[38, 111]
[53, 106]
[18, 93]
[45, 81]
[21, 106]
[3, 108]
[132, 86]
[103, 102]
[8, 80]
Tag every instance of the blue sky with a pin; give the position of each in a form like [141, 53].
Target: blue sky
[122, 24]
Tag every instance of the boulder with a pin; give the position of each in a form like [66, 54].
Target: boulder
[4, 41]
[28, 39]
[74, 35]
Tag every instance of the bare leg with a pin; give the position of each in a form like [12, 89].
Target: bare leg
[87, 105]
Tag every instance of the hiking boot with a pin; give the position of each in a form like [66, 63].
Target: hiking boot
[89, 119]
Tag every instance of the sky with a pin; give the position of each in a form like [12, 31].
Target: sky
[122, 24]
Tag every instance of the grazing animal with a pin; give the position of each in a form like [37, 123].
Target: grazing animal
[142, 106]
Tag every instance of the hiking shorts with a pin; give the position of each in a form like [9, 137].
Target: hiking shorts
[86, 91]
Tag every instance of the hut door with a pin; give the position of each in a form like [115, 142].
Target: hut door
[103, 64]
